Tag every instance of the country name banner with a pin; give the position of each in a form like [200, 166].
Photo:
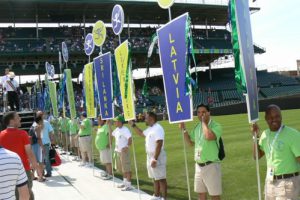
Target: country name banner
[89, 91]
[243, 23]
[53, 98]
[172, 44]
[70, 93]
[125, 79]
[103, 70]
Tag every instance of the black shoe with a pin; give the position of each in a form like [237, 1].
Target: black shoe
[48, 175]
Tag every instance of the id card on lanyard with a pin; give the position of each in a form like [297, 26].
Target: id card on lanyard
[271, 169]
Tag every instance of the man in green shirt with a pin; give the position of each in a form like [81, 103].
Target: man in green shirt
[55, 124]
[85, 140]
[205, 137]
[103, 144]
[73, 130]
[63, 126]
[281, 146]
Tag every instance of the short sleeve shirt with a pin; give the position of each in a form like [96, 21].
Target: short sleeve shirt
[12, 174]
[153, 134]
[122, 135]
[73, 127]
[15, 140]
[285, 151]
[102, 137]
[206, 150]
[45, 132]
[63, 122]
[87, 127]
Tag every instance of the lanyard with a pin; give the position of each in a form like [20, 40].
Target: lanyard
[271, 146]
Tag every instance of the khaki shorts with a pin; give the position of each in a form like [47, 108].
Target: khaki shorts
[85, 144]
[105, 156]
[123, 162]
[284, 189]
[208, 179]
[159, 172]
[74, 141]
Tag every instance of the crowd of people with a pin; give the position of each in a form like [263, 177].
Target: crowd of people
[279, 143]
[50, 39]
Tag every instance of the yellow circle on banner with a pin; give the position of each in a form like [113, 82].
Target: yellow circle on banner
[165, 4]
[99, 33]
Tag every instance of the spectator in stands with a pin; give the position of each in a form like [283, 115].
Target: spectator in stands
[156, 156]
[123, 142]
[103, 144]
[47, 140]
[280, 144]
[74, 144]
[16, 140]
[205, 137]
[35, 133]
[85, 140]
[12, 176]
[12, 88]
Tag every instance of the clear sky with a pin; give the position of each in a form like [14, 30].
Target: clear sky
[277, 28]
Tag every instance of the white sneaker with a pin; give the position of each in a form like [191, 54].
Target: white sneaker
[89, 165]
[108, 177]
[82, 164]
[103, 174]
[155, 198]
[121, 185]
[127, 188]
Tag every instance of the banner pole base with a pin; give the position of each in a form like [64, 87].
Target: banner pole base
[257, 167]
[186, 166]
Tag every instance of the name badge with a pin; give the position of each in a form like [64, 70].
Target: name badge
[270, 174]
[197, 154]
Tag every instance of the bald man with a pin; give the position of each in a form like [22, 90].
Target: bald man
[281, 146]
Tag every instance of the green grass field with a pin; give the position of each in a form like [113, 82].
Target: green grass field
[238, 168]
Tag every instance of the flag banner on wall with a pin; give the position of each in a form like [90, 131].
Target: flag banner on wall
[89, 90]
[123, 61]
[70, 93]
[103, 69]
[53, 97]
[245, 71]
[173, 42]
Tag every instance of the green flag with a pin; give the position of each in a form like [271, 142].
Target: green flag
[239, 72]
[53, 97]
[70, 93]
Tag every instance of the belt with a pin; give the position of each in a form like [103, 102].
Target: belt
[284, 176]
[84, 135]
[204, 164]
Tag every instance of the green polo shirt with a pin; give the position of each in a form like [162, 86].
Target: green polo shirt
[102, 137]
[285, 151]
[55, 124]
[87, 127]
[63, 124]
[73, 127]
[206, 150]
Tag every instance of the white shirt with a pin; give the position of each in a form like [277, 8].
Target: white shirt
[8, 86]
[4, 78]
[122, 135]
[153, 134]
[12, 174]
